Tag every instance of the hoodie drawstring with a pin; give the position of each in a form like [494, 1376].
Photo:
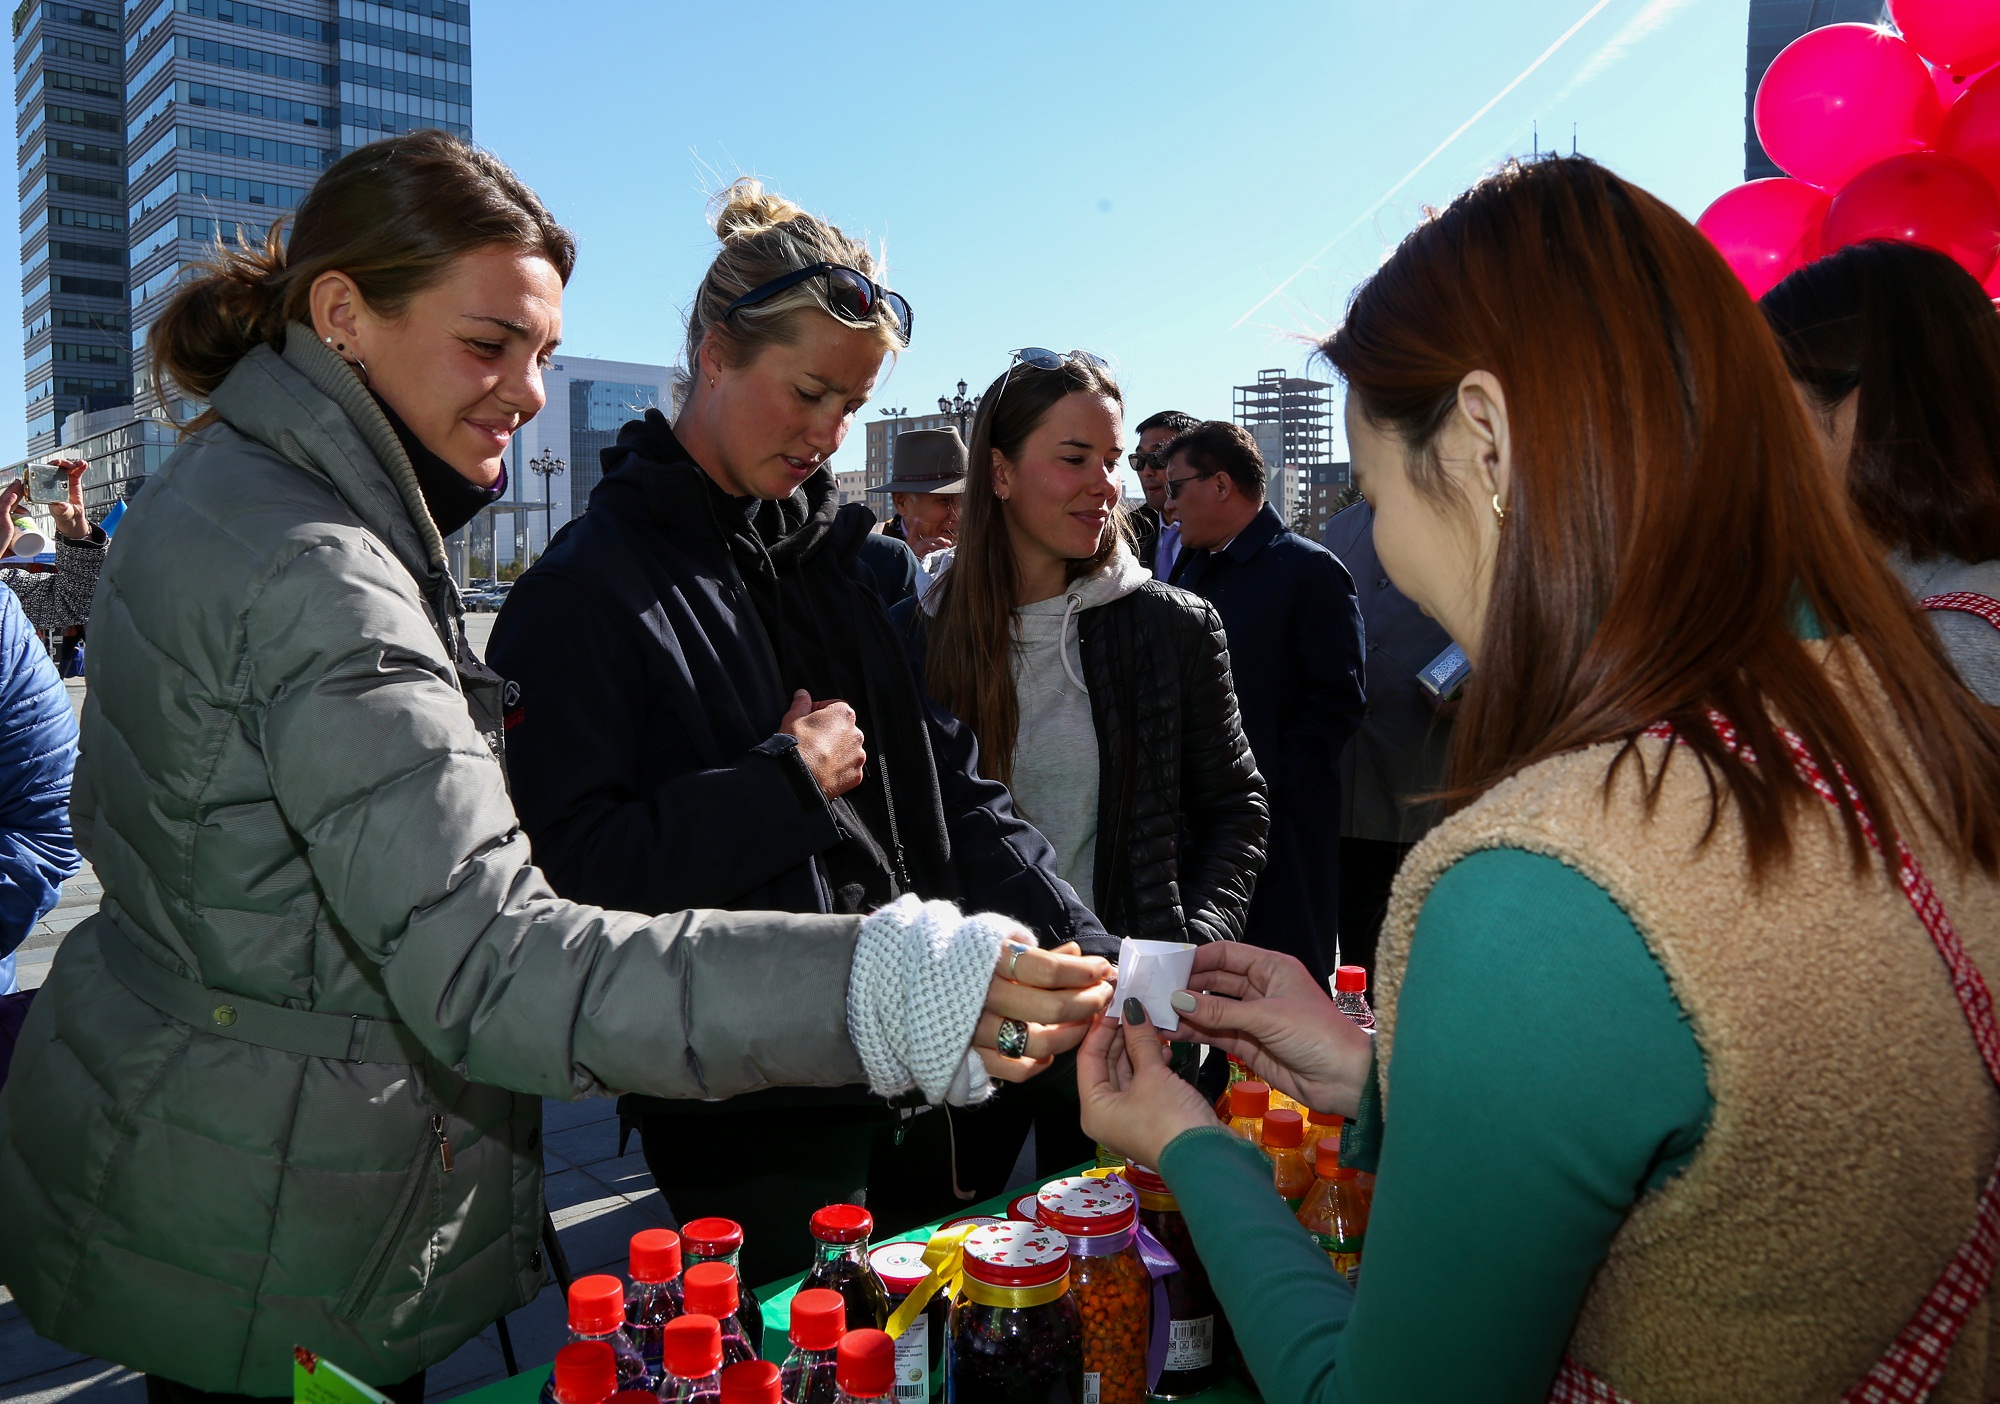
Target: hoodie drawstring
[1062, 640]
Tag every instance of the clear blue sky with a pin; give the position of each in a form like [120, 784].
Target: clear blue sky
[1127, 177]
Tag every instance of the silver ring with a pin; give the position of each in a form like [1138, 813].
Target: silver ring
[1014, 960]
[1012, 1040]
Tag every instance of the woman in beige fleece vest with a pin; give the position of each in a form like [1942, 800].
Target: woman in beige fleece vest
[1675, 1095]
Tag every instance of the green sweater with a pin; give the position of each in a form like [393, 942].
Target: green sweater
[1546, 1078]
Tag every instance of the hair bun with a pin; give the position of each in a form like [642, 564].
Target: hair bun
[746, 209]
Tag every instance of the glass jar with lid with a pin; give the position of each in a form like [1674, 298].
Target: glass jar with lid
[1198, 1337]
[1100, 1218]
[920, 1349]
[1016, 1332]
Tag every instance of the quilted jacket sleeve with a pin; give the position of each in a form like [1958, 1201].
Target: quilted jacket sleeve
[37, 750]
[376, 765]
[1225, 804]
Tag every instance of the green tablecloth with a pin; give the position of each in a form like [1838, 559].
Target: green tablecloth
[776, 1300]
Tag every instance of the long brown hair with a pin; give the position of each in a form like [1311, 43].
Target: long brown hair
[1668, 524]
[1918, 337]
[392, 215]
[969, 666]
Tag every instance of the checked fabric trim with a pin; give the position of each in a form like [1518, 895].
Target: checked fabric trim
[1965, 602]
[1914, 1363]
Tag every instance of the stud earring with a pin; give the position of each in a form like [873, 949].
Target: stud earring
[328, 340]
[1499, 512]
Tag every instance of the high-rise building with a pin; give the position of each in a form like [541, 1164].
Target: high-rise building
[1291, 418]
[1320, 488]
[1774, 24]
[69, 104]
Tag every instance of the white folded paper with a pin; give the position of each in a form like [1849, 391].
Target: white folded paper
[1151, 972]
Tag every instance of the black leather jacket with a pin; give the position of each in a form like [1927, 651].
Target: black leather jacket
[1182, 812]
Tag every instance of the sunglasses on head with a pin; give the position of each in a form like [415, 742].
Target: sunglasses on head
[850, 296]
[1041, 358]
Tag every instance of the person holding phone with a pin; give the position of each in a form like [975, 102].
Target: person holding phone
[60, 600]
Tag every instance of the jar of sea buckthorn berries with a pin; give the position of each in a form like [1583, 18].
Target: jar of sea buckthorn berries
[1101, 1220]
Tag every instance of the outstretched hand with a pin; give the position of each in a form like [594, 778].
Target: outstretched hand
[69, 517]
[1133, 1101]
[1267, 1011]
[1055, 993]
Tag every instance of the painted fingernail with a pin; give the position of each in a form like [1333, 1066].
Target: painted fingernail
[1183, 1001]
[1135, 1012]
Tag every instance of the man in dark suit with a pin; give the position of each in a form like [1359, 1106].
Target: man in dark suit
[1295, 645]
[1157, 542]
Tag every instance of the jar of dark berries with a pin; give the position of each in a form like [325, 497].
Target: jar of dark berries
[1100, 1217]
[1016, 1332]
[1198, 1337]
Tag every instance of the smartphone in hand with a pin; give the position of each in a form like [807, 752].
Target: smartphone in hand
[47, 482]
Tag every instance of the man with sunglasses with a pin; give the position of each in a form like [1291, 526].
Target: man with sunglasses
[1295, 646]
[1158, 537]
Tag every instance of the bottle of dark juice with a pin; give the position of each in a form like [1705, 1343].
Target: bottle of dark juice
[840, 1264]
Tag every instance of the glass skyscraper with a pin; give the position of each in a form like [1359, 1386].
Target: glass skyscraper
[1774, 24]
[152, 127]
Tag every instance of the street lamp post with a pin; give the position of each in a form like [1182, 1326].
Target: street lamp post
[545, 467]
[959, 408]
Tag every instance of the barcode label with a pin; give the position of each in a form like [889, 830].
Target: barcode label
[913, 1360]
[919, 1390]
[1191, 1344]
[1093, 1385]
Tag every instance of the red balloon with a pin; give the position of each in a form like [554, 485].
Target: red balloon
[1923, 198]
[1842, 97]
[1953, 86]
[1971, 129]
[1766, 229]
[1962, 35]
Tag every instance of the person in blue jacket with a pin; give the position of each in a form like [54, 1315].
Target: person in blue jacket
[37, 753]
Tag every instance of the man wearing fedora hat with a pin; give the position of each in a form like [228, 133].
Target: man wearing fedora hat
[926, 480]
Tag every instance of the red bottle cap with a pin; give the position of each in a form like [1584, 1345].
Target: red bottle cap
[900, 1266]
[1350, 977]
[819, 1315]
[596, 1305]
[1082, 1207]
[866, 1365]
[1014, 1254]
[586, 1373]
[1326, 1158]
[1326, 1118]
[842, 1223]
[634, 1396]
[1284, 1128]
[1344, 1173]
[1024, 1209]
[691, 1347]
[656, 1255]
[752, 1382]
[712, 1238]
[1249, 1098]
[710, 1289]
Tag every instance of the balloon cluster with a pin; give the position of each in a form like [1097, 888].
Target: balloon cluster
[1885, 136]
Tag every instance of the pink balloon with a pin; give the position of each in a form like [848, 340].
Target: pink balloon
[1961, 35]
[1971, 129]
[1766, 229]
[1953, 86]
[1842, 97]
[1923, 198]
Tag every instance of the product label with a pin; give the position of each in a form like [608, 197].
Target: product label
[1345, 1253]
[318, 1381]
[913, 1359]
[1092, 1386]
[1191, 1344]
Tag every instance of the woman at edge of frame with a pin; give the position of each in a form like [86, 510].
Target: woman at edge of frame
[283, 1089]
[715, 711]
[1637, 992]
[1101, 697]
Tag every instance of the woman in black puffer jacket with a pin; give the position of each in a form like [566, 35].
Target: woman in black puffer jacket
[1099, 696]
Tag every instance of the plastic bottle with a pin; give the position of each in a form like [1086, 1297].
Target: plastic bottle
[752, 1382]
[1321, 1126]
[840, 1263]
[654, 1298]
[691, 1356]
[717, 1240]
[1335, 1214]
[819, 1320]
[1350, 995]
[586, 1373]
[1284, 1137]
[1248, 1101]
[597, 1313]
[866, 1367]
[712, 1290]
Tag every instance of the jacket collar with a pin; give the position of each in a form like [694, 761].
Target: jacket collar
[309, 406]
[1264, 528]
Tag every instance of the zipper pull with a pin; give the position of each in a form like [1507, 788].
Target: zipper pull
[444, 1143]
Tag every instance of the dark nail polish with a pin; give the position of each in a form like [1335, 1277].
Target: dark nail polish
[1135, 1012]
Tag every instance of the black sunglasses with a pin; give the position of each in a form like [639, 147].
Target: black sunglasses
[1141, 460]
[849, 295]
[1174, 485]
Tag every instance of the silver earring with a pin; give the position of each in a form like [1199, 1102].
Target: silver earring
[361, 366]
[1499, 512]
[329, 341]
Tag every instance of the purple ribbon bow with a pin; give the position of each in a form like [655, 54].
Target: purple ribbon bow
[1160, 1263]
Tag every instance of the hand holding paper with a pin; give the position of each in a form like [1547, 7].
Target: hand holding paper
[1152, 972]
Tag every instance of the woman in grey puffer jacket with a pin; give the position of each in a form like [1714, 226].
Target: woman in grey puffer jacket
[282, 1089]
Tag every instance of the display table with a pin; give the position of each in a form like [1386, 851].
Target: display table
[776, 1300]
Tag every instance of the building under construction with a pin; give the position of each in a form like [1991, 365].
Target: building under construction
[1291, 418]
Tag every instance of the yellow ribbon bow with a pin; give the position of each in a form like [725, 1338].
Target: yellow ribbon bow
[944, 1255]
